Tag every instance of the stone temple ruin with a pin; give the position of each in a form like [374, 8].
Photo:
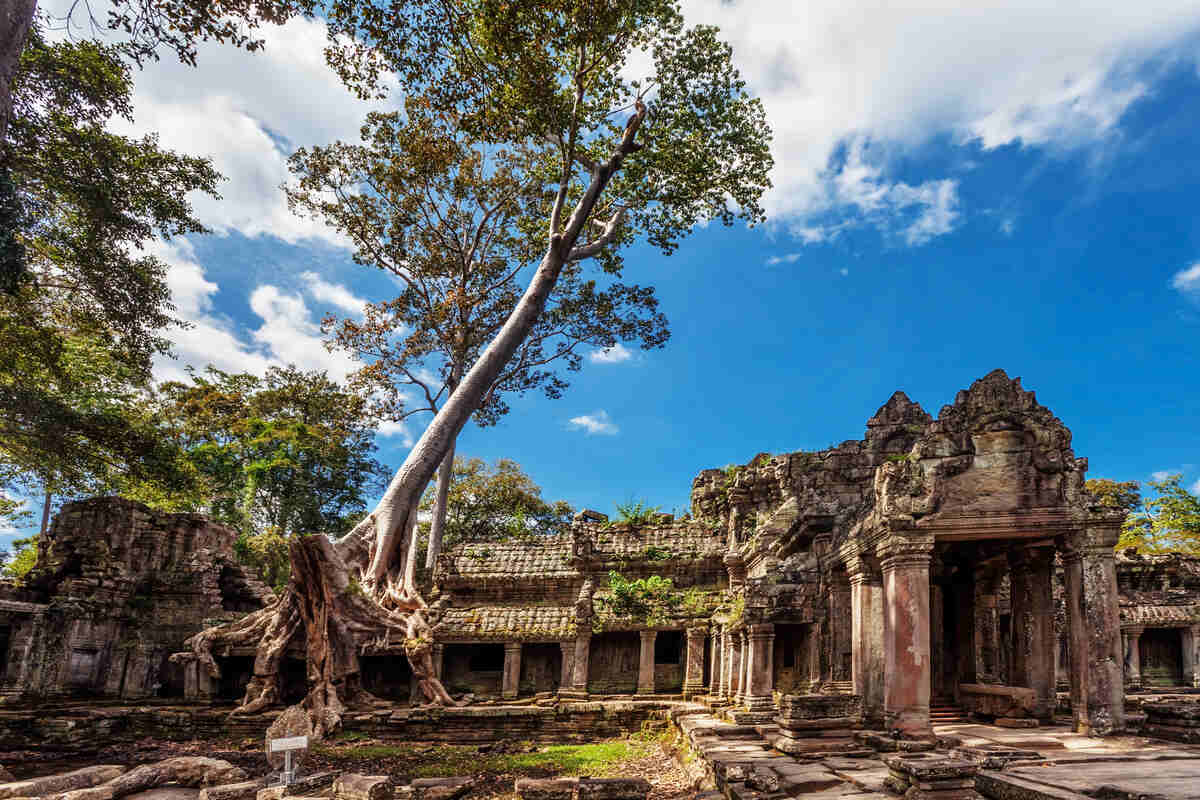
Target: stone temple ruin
[938, 566]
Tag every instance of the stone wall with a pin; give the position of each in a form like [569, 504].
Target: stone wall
[116, 589]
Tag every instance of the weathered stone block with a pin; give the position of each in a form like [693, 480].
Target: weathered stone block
[1016, 722]
[351, 786]
[546, 788]
[612, 789]
[63, 782]
[441, 788]
[245, 790]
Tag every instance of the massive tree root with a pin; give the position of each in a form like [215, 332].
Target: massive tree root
[334, 616]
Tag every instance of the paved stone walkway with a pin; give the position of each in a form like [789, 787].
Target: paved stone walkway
[1048, 763]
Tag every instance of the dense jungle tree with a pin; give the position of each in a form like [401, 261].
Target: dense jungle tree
[79, 331]
[277, 456]
[619, 157]
[1166, 523]
[456, 223]
[495, 503]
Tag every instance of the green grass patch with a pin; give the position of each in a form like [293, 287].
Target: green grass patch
[598, 758]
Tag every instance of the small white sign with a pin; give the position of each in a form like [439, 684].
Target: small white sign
[290, 743]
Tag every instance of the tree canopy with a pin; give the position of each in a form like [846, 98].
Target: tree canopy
[81, 325]
[497, 502]
[1166, 523]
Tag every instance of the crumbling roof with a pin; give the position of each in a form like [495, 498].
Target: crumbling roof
[657, 543]
[547, 556]
[509, 623]
[1160, 616]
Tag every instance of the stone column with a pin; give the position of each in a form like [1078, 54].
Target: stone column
[1191, 655]
[866, 615]
[512, 670]
[646, 663]
[759, 692]
[745, 664]
[583, 647]
[568, 664]
[1032, 573]
[1097, 684]
[438, 653]
[714, 662]
[693, 673]
[1133, 656]
[905, 561]
[735, 666]
[987, 628]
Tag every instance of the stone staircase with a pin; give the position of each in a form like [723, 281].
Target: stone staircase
[946, 712]
[742, 763]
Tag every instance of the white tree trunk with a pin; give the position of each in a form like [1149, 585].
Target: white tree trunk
[16, 20]
[438, 526]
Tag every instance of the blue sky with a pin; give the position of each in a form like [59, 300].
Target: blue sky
[956, 190]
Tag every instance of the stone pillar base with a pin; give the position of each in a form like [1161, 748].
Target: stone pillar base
[572, 694]
[761, 702]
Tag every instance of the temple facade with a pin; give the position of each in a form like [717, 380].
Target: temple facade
[954, 562]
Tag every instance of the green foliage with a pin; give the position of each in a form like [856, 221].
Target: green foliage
[1116, 494]
[23, 558]
[596, 759]
[495, 503]
[268, 553]
[635, 513]
[80, 329]
[651, 600]
[286, 454]
[1170, 522]
[654, 553]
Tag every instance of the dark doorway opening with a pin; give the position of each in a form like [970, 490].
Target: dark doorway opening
[1162, 657]
[387, 676]
[236, 672]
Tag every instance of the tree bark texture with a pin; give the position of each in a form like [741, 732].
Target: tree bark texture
[438, 526]
[16, 20]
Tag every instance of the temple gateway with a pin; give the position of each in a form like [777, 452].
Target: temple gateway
[938, 566]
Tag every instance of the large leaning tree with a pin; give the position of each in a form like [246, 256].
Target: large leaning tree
[636, 128]
[456, 223]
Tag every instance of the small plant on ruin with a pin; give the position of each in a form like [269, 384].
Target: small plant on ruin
[636, 514]
[652, 600]
[654, 553]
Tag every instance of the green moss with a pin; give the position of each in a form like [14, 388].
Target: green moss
[599, 758]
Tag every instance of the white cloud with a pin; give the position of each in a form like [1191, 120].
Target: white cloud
[333, 293]
[844, 272]
[287, 334]
[248, 112]
[905, 74]
[594, 423]
[790, 258]
[1196, 487]
[1188, 280]
[1160, 475]
[611, 355]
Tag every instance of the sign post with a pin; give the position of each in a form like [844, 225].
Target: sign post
[287, 746]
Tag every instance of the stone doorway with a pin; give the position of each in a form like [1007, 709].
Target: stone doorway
[473, 668]
[1162, 657]
[541, 668]
[236, 672]
[613, 663]
[793, 658]
[387, 676]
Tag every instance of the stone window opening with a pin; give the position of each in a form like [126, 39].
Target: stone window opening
[668, 647]
[487, 658]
